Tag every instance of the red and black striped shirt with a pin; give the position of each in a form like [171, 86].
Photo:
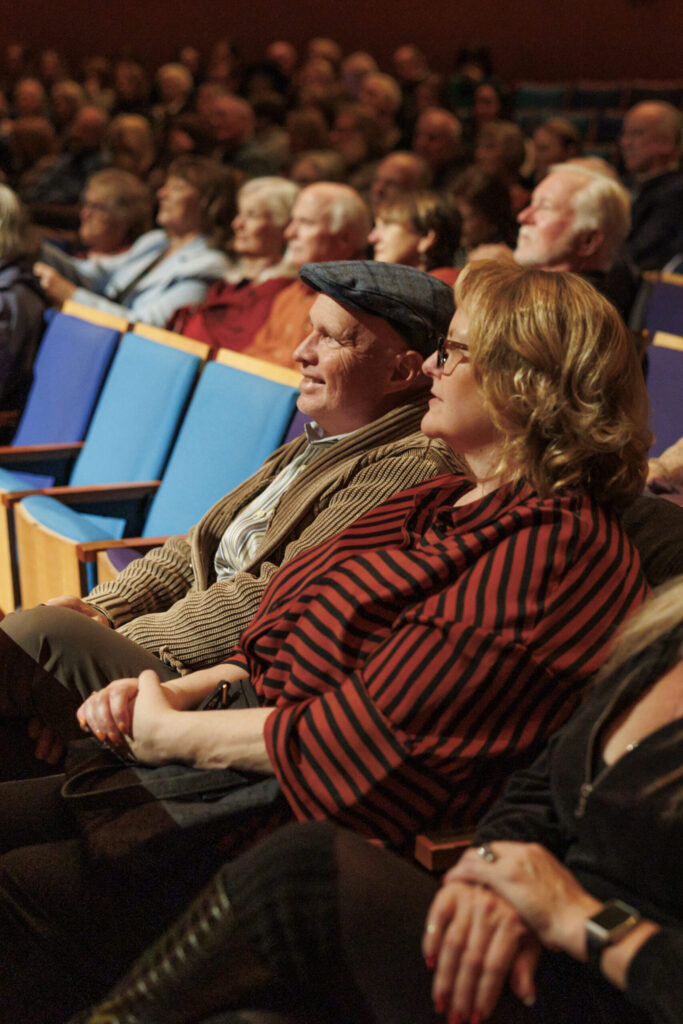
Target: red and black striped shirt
[419, 656]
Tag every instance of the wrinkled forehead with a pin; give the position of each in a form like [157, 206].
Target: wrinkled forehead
[344, 323]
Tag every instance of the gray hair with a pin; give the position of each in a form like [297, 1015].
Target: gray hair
[278, 195]
[601, 203]
[17, 238]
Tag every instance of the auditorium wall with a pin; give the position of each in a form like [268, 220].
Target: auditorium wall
[534, 39]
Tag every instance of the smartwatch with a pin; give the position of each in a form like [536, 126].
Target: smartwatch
[606, 927]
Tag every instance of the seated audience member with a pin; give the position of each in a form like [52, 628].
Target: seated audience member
[232, 123]
[29, 98]
[357, 137]
[418, 230]
[22, 302]
[354, 67]
[397, 174]
[66, 99]
[131, 88]
[577, 220]
[501, 150]
[31, 146]
[437, 140]
[164, 269]
[555, 141]
[183, 606]
[174, 85]
[329, 222]
[382, 94]
[237, 306]
[651, 148]
[569, 892]
[130, 144]
[404, 667]
[483, 202]
[116, 209]
[317, 165]
[61, 184]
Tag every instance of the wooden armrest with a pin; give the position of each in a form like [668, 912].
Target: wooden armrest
[438, 852]
[88, 550]
[38, 452]
[78, 495]
[102, 492]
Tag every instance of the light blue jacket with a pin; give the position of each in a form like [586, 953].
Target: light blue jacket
[181, 279]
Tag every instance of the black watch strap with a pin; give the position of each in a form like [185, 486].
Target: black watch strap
[608, 926]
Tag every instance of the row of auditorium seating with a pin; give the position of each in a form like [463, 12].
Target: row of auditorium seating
[125, 432]
[595, 95]
[132, 432]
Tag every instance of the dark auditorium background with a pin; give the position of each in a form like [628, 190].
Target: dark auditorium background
[532, 39]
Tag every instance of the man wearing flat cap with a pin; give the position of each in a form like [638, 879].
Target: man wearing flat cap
[183, 606]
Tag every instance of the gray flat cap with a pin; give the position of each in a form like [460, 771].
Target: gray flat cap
[418, 306]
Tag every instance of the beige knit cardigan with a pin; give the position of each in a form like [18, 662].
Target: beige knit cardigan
[170, 601]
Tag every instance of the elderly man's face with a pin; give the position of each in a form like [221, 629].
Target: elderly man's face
[394, 176]
[308, 234]
[546, 237]
[346, 366]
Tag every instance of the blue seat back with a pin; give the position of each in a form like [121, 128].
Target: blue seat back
[665, 388]
[664, 311]
[136, 418]
[234, 422]
[71, 364]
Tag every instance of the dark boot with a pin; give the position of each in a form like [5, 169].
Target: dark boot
[199, 967]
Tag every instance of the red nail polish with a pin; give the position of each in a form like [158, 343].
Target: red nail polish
[440, 1004]
[476, 1017]
[430, 962]
[454, 1017]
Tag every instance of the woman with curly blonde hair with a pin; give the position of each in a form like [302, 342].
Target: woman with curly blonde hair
[555, 368]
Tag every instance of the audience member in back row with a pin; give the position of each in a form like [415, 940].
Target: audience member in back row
[404, 667]
[236, 307]
[329, 222]
[116, 208]
[651, 147]
[577, 220]
[22, 302]
[420, 229]
[164, 269]
[183, 606]
[483, 202]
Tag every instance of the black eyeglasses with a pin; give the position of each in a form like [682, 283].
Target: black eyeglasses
[449, 354]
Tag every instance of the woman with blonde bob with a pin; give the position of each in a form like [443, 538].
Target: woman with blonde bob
[402, 670]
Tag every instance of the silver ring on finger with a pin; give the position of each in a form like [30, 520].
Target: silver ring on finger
[486, 853]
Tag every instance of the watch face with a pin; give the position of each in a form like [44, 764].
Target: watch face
[612, 915]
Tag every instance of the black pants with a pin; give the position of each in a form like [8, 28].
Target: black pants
[68, 927]
[51, 659]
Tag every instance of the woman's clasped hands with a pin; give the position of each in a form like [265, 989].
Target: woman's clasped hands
[495, 910]
[132, 716]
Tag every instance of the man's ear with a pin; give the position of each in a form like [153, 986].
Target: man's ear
[406, 370]
[589, 242]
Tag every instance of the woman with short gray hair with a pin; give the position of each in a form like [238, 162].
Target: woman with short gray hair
[238, 305]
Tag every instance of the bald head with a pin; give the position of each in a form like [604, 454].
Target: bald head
[651, 138]
[329, 222]
[397, 174]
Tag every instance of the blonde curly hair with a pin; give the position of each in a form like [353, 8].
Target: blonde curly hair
[560, 378]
